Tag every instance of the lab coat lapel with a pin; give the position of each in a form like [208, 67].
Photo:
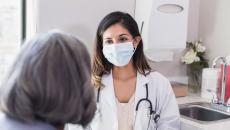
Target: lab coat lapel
[108, 91]
[140, 87]
[139, 94]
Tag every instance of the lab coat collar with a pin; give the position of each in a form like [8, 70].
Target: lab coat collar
[108, 90]
[107, 80]
[141, 79]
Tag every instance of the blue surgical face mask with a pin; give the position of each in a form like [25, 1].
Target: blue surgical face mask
[119, 54]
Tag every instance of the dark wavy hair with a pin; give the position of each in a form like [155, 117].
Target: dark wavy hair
[51, 82]
[100, 64]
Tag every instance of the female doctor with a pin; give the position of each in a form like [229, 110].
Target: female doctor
[130, 95]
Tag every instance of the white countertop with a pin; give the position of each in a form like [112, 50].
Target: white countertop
[191, 125]
[191, 98]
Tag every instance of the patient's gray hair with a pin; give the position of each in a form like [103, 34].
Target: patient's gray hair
[50, 81]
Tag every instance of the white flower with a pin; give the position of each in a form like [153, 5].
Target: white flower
[189, 57]
[196, 43]
[200, 48]
[197, 59]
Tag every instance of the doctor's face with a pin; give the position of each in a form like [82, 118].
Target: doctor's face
[116, 34]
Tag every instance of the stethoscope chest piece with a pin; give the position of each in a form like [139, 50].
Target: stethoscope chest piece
[155, 117]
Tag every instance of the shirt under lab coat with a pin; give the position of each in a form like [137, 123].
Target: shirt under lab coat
[160, 94]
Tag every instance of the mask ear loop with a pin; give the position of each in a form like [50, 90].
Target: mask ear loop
[134, 49]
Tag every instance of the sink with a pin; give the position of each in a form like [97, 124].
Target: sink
[202, 112]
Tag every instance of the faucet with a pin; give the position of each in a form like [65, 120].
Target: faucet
[214, 96]
[223, 81]
[215, 61]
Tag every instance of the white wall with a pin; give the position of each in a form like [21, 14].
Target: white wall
[80, 17]
[193, 20]
[214, 27]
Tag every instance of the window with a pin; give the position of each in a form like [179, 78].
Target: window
[11, 32]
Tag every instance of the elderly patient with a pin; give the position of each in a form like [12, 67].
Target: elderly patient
[48, 85]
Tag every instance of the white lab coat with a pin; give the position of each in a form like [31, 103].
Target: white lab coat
[160, 92]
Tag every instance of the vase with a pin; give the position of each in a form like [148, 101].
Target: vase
[194, 79]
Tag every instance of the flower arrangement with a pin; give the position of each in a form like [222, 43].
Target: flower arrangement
[195, 56]
[195, 60]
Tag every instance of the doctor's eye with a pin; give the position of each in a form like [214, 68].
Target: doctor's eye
[108, 41]
[123, 39]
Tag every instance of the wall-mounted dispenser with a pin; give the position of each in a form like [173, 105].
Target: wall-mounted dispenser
[170, 8]
[163, 25]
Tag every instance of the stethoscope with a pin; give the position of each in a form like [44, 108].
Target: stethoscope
[152, 114]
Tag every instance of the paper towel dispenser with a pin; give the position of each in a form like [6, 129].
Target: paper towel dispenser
[170, 8]
[163, 23]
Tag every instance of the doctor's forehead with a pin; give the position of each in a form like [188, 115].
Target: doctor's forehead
[116, 30]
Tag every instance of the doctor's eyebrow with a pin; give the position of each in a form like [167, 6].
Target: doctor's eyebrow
[123, 35]
[119, 36]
